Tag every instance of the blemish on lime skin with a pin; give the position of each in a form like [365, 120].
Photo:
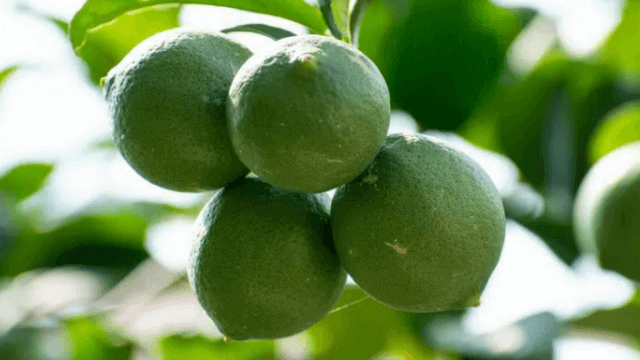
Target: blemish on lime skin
[397, 248]
[307, 62]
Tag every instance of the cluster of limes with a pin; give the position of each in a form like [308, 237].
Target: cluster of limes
[418, 225]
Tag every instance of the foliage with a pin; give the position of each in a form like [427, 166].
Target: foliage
[178, 347]
[445, 63]
[95, 13]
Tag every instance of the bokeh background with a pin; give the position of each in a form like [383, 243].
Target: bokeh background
[93, 257]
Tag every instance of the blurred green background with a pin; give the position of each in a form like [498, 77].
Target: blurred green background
[92, 257]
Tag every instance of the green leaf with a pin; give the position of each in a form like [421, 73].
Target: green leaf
[273, 32]
[524, 203]
[360, 328]
[33, 342]
[528, 112]
[336, 16]
[441, 57]
[624, 320]
[535, 337]
[179, 347]
[356, 14]
[618, 49]
[107, 144]
[621, 126]
[25, 180]
[4, 74]
[151, 212]
[105, 46]
[95, 13]
[92, 342]
[108, 241]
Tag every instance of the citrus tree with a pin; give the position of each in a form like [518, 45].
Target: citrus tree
[315, 229]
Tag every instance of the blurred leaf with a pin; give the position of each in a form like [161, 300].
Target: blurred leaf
[92, 342]
[528, 114]
[624, 320]
[34, 343]
[558, 236]
[61, 24]
[621, 126]
[95, 13]
[151, 212]
[363, 330]
[104, 145]
[483, 127]
[618, 49]
[5, 73]
[8, 226]
[523, 203]
[441, 56]
[105, 46]
[525, 111]
[25, 180]
[356, 14]
[336, 16]
[273, 32]
[178, 347]
[111, 241]
[529, 339]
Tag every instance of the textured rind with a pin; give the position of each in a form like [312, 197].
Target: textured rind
[617, 227]
[263, 264]
[421, 229]
[167, 99]
[309, 114]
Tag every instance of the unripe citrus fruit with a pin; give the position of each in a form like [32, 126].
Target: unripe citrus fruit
[422, 228]
[167, 98]
[264, 265]
[607, 211]
[309, 114]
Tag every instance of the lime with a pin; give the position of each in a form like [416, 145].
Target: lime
[308, 114]
[264, 265]
[606, 211]
[167, 99]
[422, 228]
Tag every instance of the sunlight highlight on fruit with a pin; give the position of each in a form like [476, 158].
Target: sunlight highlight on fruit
[606, 211]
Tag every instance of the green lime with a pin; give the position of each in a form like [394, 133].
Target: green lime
[167, 98]
[422, 228]
[264, 265]
[606, 211]
[309, 114]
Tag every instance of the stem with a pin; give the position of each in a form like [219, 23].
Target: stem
[327, 14]
[355, 18]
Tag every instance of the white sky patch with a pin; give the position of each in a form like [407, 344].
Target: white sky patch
[27, 39]
[530, 279]
[219, 18]
[48, 108]
[46, 113]
[582, 25]
[63, 10]
[83, 181]
[530, 46]
[402, 122]
[170, 242]
[592, 348]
